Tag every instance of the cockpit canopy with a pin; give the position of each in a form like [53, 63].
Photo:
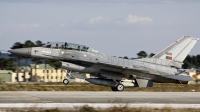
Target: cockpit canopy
[65, 45]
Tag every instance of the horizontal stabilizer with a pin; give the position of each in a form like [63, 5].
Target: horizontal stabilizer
[178, 77]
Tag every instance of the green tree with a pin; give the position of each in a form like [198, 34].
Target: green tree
[151, 55]
[125, 57]
[195, 62]
[38, 43]
[198, 60]
[53, 63]
[28, 43]
[191, 61]
[7, 64]
[187, 62]
[17, 45]
[142, 54]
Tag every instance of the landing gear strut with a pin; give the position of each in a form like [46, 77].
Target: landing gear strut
[66, 81]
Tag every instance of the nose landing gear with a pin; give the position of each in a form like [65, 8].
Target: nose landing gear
[66, 81]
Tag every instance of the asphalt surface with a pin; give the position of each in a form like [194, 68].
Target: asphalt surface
[99, 97]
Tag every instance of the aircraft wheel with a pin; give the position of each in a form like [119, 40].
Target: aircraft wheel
[65, 81]
[119, 87]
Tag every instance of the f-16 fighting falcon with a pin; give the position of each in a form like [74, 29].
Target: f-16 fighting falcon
[163, 67]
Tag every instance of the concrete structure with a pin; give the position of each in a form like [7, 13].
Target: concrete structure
[6, 76]
[46, 73]
[39, 73]
[10, 76]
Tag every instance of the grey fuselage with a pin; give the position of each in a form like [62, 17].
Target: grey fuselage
[163, 67]
[100, 65]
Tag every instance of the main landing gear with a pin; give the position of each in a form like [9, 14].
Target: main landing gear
[118, 87]
[66, 81]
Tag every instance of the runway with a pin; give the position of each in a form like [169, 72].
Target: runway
[48, 98]
[99, 97]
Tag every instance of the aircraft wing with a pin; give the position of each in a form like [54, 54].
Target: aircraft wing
[175, 77]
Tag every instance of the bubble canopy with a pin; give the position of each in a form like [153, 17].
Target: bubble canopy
[66, 45]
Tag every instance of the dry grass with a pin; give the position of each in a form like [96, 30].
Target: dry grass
[92, 87]
[113, 109]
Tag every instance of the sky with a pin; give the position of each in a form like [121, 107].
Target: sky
[114, 27]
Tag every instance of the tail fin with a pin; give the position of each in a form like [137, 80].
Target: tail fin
[178, 50]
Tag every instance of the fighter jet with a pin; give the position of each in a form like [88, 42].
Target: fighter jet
[164, 67]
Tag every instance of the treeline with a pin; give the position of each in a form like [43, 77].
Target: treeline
[26, 44]
[7, 64]
[190, 61]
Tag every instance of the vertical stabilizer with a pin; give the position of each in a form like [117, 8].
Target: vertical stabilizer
[178, 50]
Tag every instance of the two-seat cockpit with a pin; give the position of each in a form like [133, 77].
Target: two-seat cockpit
[69, 46]
[66, 46]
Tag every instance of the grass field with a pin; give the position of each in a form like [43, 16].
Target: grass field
[92, 87]
[113, 109]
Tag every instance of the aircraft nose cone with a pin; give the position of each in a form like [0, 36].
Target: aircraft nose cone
[21, 51]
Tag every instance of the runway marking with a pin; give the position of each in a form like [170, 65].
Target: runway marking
[95, 105]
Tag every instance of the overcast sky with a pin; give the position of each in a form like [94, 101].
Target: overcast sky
[114, 27]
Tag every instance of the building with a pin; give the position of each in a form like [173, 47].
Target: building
[7, 76]
[28, 72]
[45, 73]
[39, 73]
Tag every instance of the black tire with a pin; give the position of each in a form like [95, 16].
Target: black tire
[113, 88]
[65, 81]
[119, 87]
